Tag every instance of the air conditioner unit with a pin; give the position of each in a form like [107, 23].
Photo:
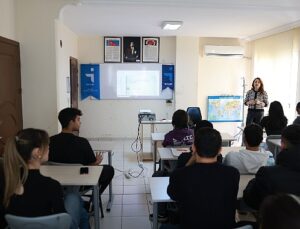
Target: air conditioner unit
[217, 50]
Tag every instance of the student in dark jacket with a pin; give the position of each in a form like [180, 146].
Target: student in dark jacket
[275, 122]
[205, 191]
[281, 178]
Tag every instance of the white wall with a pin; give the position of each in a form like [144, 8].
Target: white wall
[69, 49]
[35, 24]
[187, 61]
[276, 61]
[7, 19]
[118, 118]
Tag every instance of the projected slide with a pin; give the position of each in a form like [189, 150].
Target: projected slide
[137, 83]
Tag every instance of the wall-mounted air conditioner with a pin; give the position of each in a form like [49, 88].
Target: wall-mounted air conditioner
[217, 50]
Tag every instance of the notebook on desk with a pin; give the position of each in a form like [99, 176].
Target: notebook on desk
[177, 151]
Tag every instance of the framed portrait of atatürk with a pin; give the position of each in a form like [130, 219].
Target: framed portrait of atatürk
[132, 49]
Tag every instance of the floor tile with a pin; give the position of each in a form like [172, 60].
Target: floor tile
[116, 199]
[134, 189]
[116, 210]
[136, 222]
[111, 223]
[135, 210]
[134, 181]
[135, 199]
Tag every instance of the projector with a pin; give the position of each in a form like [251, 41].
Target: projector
[146, 115]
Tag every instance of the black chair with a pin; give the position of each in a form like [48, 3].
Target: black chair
[195, 116]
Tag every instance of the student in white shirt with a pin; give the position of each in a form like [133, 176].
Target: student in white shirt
[249, 160]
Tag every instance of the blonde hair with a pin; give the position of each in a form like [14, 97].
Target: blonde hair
[17, 153]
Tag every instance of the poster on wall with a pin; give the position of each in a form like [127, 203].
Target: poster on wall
[132, 49]
[150, 49]
[168, 79]
[90, 81]
[112, 49]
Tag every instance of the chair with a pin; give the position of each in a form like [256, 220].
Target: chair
[195, 116]
[57, 221]
[82, 190]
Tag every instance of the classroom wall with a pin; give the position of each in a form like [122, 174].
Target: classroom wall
[68, 49]
[7, 19]
[118, 118]
[222, 76]
[276, 61]
[35, 23]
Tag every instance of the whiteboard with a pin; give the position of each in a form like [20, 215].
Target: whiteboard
[225, 109]
[132, 81]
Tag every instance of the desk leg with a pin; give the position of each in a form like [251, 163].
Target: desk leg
[142, 138]
[155, 213]
[96, 206]
[154, 156]
[110, 198]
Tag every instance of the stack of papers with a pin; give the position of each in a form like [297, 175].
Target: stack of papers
[177, 151]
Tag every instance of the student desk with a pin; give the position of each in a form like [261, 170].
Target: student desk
[152, 124]
[158, 189]
[159, 137]
[166, 153]
[277, 145]
[70, 175]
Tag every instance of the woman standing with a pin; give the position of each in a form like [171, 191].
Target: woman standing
[256, 99]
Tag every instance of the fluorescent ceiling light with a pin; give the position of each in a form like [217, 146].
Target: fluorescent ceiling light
[171, 25]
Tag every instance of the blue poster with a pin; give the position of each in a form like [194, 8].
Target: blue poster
[90, 80]
[168, 77]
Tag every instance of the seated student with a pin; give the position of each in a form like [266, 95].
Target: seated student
[297, 120]
[186, 159]
[25, 191]
[280, 211]
[284, 177]
[181, 134]
[69, 148]
[275, 121]
[249, 160]
[205, 191]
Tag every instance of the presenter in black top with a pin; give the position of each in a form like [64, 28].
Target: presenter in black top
[256, 99]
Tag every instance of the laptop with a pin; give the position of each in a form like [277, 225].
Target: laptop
[177, 151]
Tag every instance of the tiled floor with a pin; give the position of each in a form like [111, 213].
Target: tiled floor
[131, 201]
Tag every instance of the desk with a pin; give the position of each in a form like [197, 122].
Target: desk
[69, 175]
[159, 137]
[277, 145]
[166, 153]
[159, 185]
[158, 188]
[152, 124]
[95, 143]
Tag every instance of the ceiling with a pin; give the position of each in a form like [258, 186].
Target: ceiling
[245, 19]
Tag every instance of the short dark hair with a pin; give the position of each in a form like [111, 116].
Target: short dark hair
[279, 212]
[203, 123]
[291, 134]
[208, 142]
[180, 119]
[68, 114]
[253, 135]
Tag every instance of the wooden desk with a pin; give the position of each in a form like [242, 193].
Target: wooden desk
[152, 124]
[159, 185]
[70, 175]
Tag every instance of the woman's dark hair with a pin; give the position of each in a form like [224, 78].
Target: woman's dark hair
[261, 88]
[281, 211]
[276, 111]
[180, 119]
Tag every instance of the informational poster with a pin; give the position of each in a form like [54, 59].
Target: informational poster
[90, 81]
[112, 49]
[150, 49]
